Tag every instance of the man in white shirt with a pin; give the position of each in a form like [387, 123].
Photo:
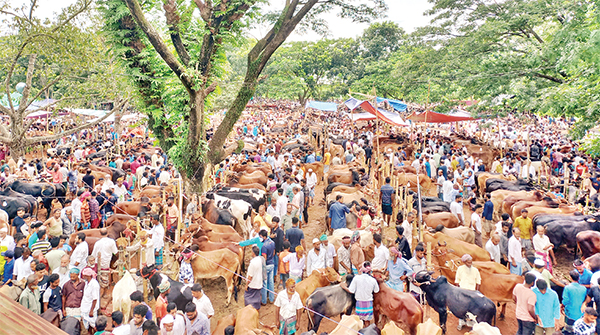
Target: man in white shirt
[119, 190]
[63, 270]
[6, 240]
[81, 252]
[476, 224]
[382, 254]
[90, 302]
[254, 280]
[22, 267]
[158, 239]
[315, 258]
[447, 188]
[408, 227]
[164, 177]
[76, 208]
[203, 304]
[456, 207]
[296, 261]
[282, 203]
[515, 256]
[311, 182]
[493, 247]
[330, 254]
[272, 209]
[104, 249]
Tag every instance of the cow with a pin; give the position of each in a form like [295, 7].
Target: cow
[509, 198]
[239, 208]
[197, 219]
[402, 308]
[448, 220]
[563, 229]
[120, 295]
[430, 205]
[115, 231]
[442, 296]
[428, 188]
[128, 207]
[180, 294]
[588, 241]
[255, 186]
[561, 209]
[223, 323]
[520, 205]
[45, 191]
[494, 184]
[329, 188]
[265, 168]
[11, 204]
[217, 215]
[156, 194]
[428, 328]
[254, 197]
[482, 177]
[345, 177]
[318, 278]
[460, 233]
[218, 263]
[246, 321]
[349, 324]
[248, 178]
[329, 301]
[459, 247]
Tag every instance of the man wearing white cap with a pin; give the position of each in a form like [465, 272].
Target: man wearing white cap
[311, 182]
[467, 277]
[541, 273]
[315, 258]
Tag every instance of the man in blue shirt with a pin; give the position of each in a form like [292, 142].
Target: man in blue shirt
[9, 257]
[295, 235]
[310, 158]
[573, 296]
[488, 213]
[547, 308]
[337, 214]
[268, 252]
[585, 275]
[387, 198]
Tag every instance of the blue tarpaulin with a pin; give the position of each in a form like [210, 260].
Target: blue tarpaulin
[396, 104]
[324, 106]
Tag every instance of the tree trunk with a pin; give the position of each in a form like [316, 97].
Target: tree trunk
[17, 143]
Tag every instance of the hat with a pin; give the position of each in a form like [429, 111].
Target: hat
[316, 240]
[578, 263]
[36, 253]
[309, 170]
[167, 319]
[9, 254]
[74, 270]
[539, 262]
[89, 272]
[4, 229]
[164, 286]
[323, 237]
[466, 258]
[346, 237]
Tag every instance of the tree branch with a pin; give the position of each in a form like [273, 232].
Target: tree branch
[205, 10]
[172, 17]
[31, 140]
[28, 80]
[159, 44]
[54, 81]
[545, 76]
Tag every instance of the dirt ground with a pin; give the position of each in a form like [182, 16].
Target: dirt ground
[216, 290]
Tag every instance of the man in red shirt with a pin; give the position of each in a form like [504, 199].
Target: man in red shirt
[161, 303]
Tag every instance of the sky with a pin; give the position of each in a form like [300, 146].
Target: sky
[408, 14]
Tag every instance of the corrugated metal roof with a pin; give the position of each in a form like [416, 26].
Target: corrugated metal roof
[18, 320]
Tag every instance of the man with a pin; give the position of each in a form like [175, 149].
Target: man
[22, 268]
[476, 224]
[493, 247]
[363, 286]
[295, 235]
[541, 272]
[525, 300]
[467, 277]
[52, 298]
[173, 218]
[72, 294]
[254, 280]
[146, 244]
[488, 213]
[515, 256]
[30, 297]
[263, 219]
[90, 302]
[408, 228]
[282, 204]
[161, 302]
[63, 270]
[587, 324]
[381, 254]
[573, 297]
[202, 302]
[585, 275]
[316, 257]
[6, 240]
[456, 207]
[337, 214]
[54, 256]
[135, 325]
[104, 249]
[357, 255]
[88, 180]
[178, 320]
[547, 309]
[505, 228]
[272, 209]
[117, 322]
[311, 182]
[417, 263]
[137, 298]
[330, 255]
[158, 239]
[387, 194]
[9, 259]
[298, 202]
[196, 323]
[286, 221]
[18, 221]
[268, 253]
[42, 243]
[447, 188]
[440, 180]
[297, 262]
[81, 252]
[526, 226]
[288, 308]
[343, 253]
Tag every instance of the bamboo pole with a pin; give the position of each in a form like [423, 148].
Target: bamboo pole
[428, 254]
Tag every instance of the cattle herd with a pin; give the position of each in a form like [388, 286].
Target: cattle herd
[304, 170]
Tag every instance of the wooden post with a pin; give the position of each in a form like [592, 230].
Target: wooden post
[428, 254]
[179, 225]
[145, 282]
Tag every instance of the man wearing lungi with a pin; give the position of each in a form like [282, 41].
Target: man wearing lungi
[254, 280]
[288, 308]
[363, 286]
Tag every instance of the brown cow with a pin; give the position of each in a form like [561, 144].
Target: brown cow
[265, 168]
[344, 177]
[317, 168]
[250, 178]
[405, 169]
[122, 218]
[517, 207]
[459, 247]
[562, 209]
[399, 307]
[156, 193]
[206, 245]
[116, 230]
[460, 233]
[446, 219]
[588, 242]
[513, 197]
[318, 278]
[248, 186]
[347, 189]
[223, 323]
[221, 237]
[128, 207]
[428, 187]
[197, 219]
[214, 264]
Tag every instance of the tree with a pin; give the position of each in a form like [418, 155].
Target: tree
[194, 57]
[52, 59]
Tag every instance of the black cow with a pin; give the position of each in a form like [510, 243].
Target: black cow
[10, 193]
[175, 295]
[370, 330]
[329, 301]
[99, 154]
[563, 229]
[224, 216]
[254, 197]
[594, 201]
[430, 205]
[63, 151]
[11, 204]
[494, 184]
[442, 296]
[43, 190]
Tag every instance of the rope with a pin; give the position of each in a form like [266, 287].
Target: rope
[246, 279]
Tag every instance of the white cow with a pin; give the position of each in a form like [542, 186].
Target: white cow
[120, 295]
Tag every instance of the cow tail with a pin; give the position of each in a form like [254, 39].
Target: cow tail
[495, 314]
[236, 287]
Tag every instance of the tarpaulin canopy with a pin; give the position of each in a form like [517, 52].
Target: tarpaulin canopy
[398, 105]
[324, 106]
[361, 116]
[433, 117]
[89, 112]
[41, 104]
[43, 114]
[459, 112]
[388, 117]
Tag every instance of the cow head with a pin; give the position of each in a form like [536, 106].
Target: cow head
[424, 277]
[147, 271]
